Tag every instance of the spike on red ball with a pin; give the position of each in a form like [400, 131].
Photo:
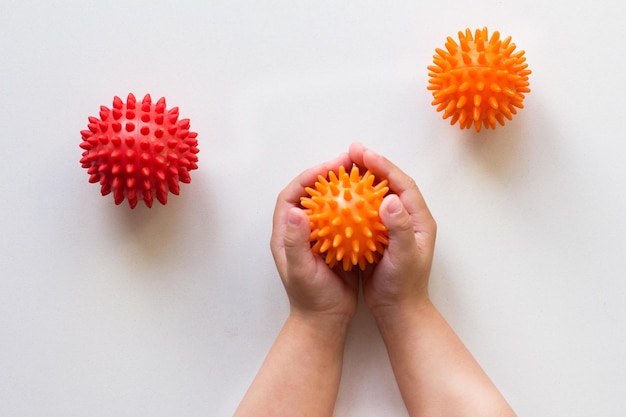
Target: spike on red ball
[139, 150]
[479, 80]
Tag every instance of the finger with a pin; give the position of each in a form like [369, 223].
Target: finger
[356, 151]
[382, 168]
[399, 182]
[290, 196]
[399, 225]
[292, 193]
[298, 254]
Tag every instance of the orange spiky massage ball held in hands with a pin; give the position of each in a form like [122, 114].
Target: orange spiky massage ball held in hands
[343, 210]
[139, 150]
[480, 80]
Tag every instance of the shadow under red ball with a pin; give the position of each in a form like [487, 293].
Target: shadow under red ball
[139, 151]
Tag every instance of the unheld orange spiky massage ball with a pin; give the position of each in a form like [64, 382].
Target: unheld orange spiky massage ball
[480, 80]
[139, 150]
[345, 224]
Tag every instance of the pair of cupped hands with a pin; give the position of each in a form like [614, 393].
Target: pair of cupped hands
[398, 282]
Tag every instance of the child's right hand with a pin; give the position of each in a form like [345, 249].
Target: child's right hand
[400, 280]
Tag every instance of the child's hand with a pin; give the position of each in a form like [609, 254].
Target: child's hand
[400, 279]
[315, 291]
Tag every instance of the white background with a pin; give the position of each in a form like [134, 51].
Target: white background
[169, 311]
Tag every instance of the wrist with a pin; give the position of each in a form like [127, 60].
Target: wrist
[401, 314]
[322, 326]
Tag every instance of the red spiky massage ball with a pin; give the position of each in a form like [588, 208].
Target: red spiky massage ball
[139, 150]
[480, 80]
[343, 212]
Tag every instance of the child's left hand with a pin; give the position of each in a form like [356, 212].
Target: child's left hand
[315, 291]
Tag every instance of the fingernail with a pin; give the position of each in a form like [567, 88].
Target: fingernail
[394, 206]
[293, 218]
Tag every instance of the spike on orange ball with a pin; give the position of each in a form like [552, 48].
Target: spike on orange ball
[345, 225]
[479, 80]
[139, 150]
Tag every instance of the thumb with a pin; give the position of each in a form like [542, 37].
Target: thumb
[398, 223]
[296, 238]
